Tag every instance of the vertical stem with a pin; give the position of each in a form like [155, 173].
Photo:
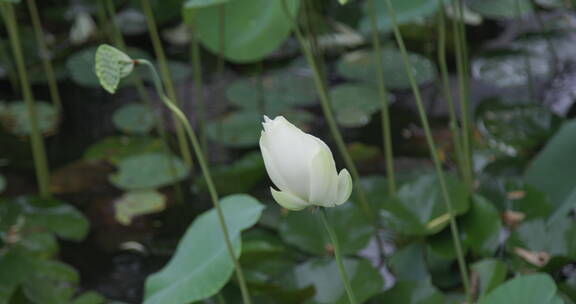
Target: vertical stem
[44, 55]
[463, 82]
[198, 85]
[178, 114]
[454, 125]
[322, 91]
[36, 140]
[338, 256]
[169, 84]
[433, 152]
[384, 102]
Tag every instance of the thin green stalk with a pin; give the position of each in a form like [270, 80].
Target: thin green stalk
[44, 55]
[384, 102]
[36, 139]
[463, 85]
[178, 114]
[454, 124]
[433, 152]
[198, 85]
[338, 256]
[167, 77]
[322, 91]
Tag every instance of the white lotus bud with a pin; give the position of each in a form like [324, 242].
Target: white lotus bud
[302, 167]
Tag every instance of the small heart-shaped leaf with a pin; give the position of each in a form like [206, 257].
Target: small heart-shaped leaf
[111, 66]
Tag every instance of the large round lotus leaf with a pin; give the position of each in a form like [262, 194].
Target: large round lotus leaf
[252, 28]
[242, 129]
[116, 148]
[413, 292]
[515, 129]
[354, 104]
[323, 274]
[499, 9]
[134, 119]
[509, 69]
[148, 171]
[14, 118]
[361, 65]
[536, 288]
[137, 203]
[81, 66]
[406, 11]
[278, 91]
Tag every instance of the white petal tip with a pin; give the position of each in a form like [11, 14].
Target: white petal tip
[288, 200]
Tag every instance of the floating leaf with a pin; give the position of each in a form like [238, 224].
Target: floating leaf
[491, 273]
[500, 9]
[515, 129]
[49, 214]
[354, 104]
[419, 207]
[409, 265]
[148, 171]
[136, 203]
[53, 282]
[538, 288]
[201, 265]
[305, 231]
[111, 66]
[134, 119]
[253, 28]
[14, 118]
[116, 148]
[555, 239]
[482, 227]
[361, 65]
[89, 297]
[406, 11]
[554, 170]
[278, 92]
[322, 273]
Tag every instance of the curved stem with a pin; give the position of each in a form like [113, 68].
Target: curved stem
[338, 256]
[108, 14]
[36, 139]
[44, 55]
[433, 151]
[454, 125]
[178, 114]
[384, 102]
[167, 77]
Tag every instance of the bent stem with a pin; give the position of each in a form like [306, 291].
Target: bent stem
[433, 152]
[36, 140]
[335, 132]
[384, 102]
[45, 55]
[167, 77]
[338, 256]
[179, 115]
